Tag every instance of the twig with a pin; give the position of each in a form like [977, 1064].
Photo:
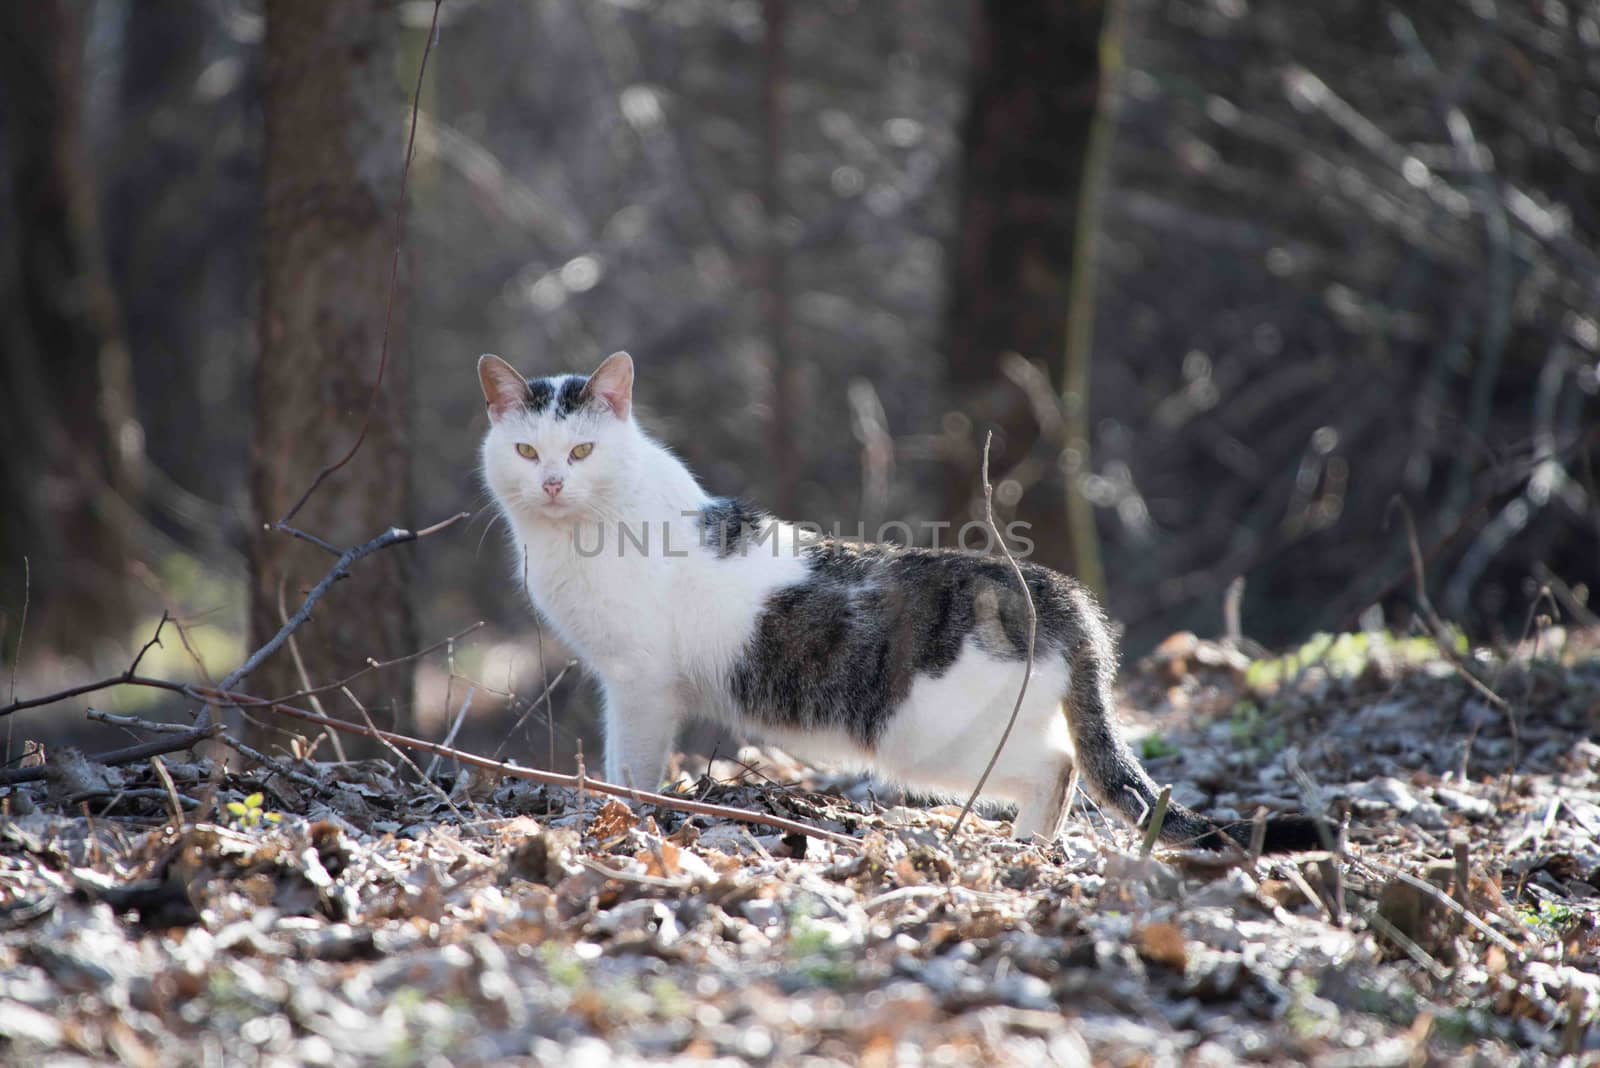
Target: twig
[1333, 840]
[146, 794]
[174, 799]
[304, 675]
[76, 691]
[394, 282]
[634, 877]
[311, 539]
[155, 639]
[549, 714]
[312, 692]
[455, 728]
[544, 680]
[1297, 877]
[1232, 621]
[1033, 628]
[1563, 593]
[277, 767]
[170, 744]
[22, 627]
[1463, 886]
[1408, 945]
[392, 536]
[1258, 833]
[1447, 901]
[137, 723]
[1157, 817]
[1441, 633]
[432, 786]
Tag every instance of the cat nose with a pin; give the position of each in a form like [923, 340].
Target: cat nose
[552, 486]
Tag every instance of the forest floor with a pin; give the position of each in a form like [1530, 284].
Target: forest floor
[367, 919]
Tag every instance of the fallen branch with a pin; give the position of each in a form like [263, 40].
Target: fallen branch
[580, 782]
[171, 744]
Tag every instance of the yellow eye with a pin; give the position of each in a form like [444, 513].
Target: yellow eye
[526, 451]
[583, 451]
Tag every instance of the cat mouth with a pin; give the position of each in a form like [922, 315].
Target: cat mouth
[560, 508]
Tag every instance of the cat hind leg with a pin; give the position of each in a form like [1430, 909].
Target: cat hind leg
[1043, 813]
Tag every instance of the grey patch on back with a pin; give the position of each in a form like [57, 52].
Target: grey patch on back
[841, 648]
[729, 526]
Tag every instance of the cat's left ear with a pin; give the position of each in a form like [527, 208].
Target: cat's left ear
[612, 384]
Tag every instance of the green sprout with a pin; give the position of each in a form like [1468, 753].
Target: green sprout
[249, 813]
[1155, 747]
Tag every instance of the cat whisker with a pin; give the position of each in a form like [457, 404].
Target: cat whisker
[493, 519]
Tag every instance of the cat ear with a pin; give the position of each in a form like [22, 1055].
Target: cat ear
[612, 384]
[504, 389]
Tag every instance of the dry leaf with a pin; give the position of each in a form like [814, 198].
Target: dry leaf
[1162, 943]
[613, 821]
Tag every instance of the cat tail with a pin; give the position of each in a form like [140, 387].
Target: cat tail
[1115, 778]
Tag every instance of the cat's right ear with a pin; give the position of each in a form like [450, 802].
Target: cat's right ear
[504, 390]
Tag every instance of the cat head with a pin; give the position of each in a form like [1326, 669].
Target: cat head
[557, 446]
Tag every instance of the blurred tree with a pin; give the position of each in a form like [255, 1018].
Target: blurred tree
[179, 163]
[774, 274]
[70, 448]
[334, 122]
[1034, 97]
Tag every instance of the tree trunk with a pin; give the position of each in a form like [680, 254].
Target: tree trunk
[335, 122]
[774, 262]
[1035, 91]
[71, 447]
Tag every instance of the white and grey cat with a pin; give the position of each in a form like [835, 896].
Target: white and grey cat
[902, 660]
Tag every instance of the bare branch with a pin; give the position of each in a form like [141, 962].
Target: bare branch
[549, 778]
[170, 744]
[391, 537]
[1033, 629]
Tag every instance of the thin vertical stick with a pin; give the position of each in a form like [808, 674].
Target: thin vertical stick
[22, 626]
[1463, 887]
[1258, 833]
[1158, 817]
[1033, 630]
[455, 728]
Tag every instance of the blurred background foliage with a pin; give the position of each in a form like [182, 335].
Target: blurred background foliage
[1225, 276]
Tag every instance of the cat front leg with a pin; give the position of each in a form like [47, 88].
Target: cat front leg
[641, 717]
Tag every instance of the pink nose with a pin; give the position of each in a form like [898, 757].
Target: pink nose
[552, 487]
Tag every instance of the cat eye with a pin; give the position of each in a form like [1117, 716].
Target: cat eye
[582, 451]
[526, 451]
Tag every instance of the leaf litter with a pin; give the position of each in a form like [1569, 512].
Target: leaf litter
[361, 921]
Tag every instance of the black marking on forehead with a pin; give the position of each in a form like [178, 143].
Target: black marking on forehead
[571, 395]
[560, 395]
[540, 392]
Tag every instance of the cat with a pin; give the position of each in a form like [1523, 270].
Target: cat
[904, 661]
